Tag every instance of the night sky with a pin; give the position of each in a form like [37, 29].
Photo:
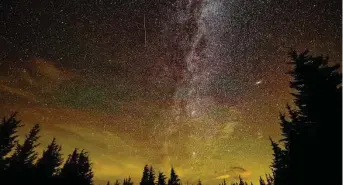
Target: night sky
[193, 84]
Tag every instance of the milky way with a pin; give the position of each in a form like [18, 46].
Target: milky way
[194, 84]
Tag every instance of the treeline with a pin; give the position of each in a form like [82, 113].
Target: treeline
[20, 164]
[309, 152]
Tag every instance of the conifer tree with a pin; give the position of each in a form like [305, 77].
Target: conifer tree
[85, 168]
[8, 139]
[145, 176]
[313, 124]
[241, 182]
[151, 176]
[161, 179]
[22, 161]
[108, 183]
[279, 165]
[25, 155]
[48, 165]
[68, 173]
[117, 183]
[77, 169]
[174, 179]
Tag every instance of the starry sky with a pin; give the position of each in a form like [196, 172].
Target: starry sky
[193, 84]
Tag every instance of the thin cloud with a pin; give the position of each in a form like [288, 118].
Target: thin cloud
[19, 92]
[236, 172]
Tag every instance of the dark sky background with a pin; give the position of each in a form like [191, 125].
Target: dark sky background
[199, 86]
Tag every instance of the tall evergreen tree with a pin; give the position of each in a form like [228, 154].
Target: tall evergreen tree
[174, 178]
[314, 125]
[279, 165]
[145, 176]
[8, 139]
[22, 161]
[70, 166]
[48, 165]
[77, 169]
[318, 97]
[151, 176]
[85, 168]
[161, 179]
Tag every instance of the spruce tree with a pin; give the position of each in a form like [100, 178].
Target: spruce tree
[174, 179]
[314, 124]
[8, 139]
[145, 176]
[152, 177]
[48, 165]
[161, 179]
[22, 161]
[279, 165]
[85, 168]
[77, 169]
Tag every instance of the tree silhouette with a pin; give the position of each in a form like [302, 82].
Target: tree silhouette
[145, 176]
[77, 169]
[70, 166]
[161, 179]
[48, 165]
[270, 179]
[8, 139]
[117, 183]
[151, 180]
[262, 182]
[85, 168]
[127, 181]
[174, 179]
[314, 125]
[279, 165]
[241, 182]
[22, 161]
